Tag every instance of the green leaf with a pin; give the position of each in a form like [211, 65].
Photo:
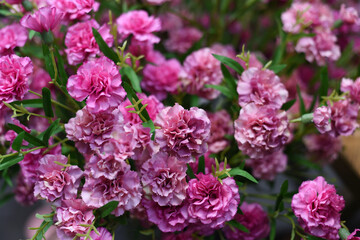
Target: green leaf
[338, 23]
[132, 95]
[105, 49]
[60, 62]
[280, 50]
[223, 89]
[238, 226]
[230, 63]
[315, 238]
[288, 105]
[28, 137]
[242, 173]
[50, 130]
[107, 208]
[147, 232]
[31, 34]
[130, 73]
[281, 195]
[33, 103]
[48, 61]
[201, 165]
[302, 104]
[5, 13]
[45, 225]
[47, 102]
[277, 68]
[229, 80]
[272, 229]
[10, 161]
[18, 141]
[149, 124]
[324, 85]
[344, 233]
[190, 172]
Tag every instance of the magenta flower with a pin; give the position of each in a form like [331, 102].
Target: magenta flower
[99, 81]
[352, 235]
[261, 130]
[164, 178]
[15, 74]
[348, 85]
[323, 148]
[221, 125]
[201, 68]
[254, 218]
[75, 9]
[262, 87]
[43, 20]
[167, 218]
[12, 36]
[344, 118]
[317, 207]
[24, 191]
[349, 15]
[181, 39]
[183, 133]
[140, 25]
[80, 41]
[322, 119]
[211, 202]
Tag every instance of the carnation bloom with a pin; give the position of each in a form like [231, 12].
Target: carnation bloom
[344, 118]
[140, 25]
[297, 11]
[24, 191]
[182, 39]
[164, 178]
[12, 36]
[262, 87]
[352, 235]
[348, 85]
[80, 41]
[211, 202]
[261, 130]
[167, 218]
[348, 15]
[322, 119]
[43, 20]
[162, 78]
[221, 125]
[99, 81]
[317, 207]
[104, 165]
[201, 68]
[323, 148]
[254, 218]
[268, 166]
[183, 133]
[75, 9]
[15, 73]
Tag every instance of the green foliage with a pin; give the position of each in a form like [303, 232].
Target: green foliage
[47, 102]
[190, 172]
[230, 63]
[201, 165]
[238, 225]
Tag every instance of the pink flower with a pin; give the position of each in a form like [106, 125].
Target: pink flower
[140, 25]
[221, 125]
[182, 39]
[104, 234]
[125, 188]
[43, 20]
[211, 202]
[298, 11]
[261, 130]
[322, 119]
[104, 165]
[201, 68]
[344, 118]
[162, 78]
[81, 44]
[12, 36]
[70, 216]
[157, 2]
[99, 81]
[348, 85]
[268, 166]
[167, 218]
[24, 191]
[254, 218]
[75, 9]
[262, 87]
[323, 148]
[352, 235]
[164, 178]
[41, 79]
[317, 207]
[15, 73]
[183, 133]
[349, 15]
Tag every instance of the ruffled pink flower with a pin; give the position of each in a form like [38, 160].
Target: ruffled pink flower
[41, 79]
[211, 202]
[183, 133]
[182, 39]
[70, 216]
[99, 81]
[317, 207]
[164, 178]
[104, 165]
[104, 234]
[24, 191]
[344, 118]
[254, 218]
[348, 85]
[322, 119]
[323, 148]
[15, 73]
[81, 44]
[298, 11]
[54, 182]
[43, 20]
[352, 235]
[125, 188]
[75, 9]
[140, 25]
[122, 144]
[162, 79]
[221, 125]
[201, 68]
[167, 218]
[348, 15]
[262, 87]
[261, 130]
[12, 36]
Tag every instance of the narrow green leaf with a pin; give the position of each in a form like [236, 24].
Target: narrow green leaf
[302, 104]
[223, 89]
[292, 236]
[48, 61]
[18, 141]
[338, 23]
[147, 232]
[280, 50]
[31, 34]
[272, 229]
[324, 85]
[190, 172]
[50, 130]
[229, 80]
[130, 73]
[201, 165]
[277, 68]
[344, 233]
[5, 13]
[149, 124]
[132, 95]
[60, 64]
[33, 103]
[105, 49]
[230, 63]
[281, 195]
[238, 226]
[108, 208]
[288, 105]
[45, 225]
[242, 173]
[47, 102]
[10, 161]
[28, 137]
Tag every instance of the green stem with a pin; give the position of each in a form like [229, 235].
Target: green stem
[54, 102]
[40, 230]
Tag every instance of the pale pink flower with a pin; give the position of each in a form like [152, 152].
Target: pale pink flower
[297, 17]
[75, 9]
[183, 133]
[43, 20]
[221, 125]
[81, 44]
[349, 15]
[12, 36]
[156, 2]
[317, 207]
[104, 165]
[323, 148]
[99, 82]
[140, 25]
[322, 119]
[182, 39]
[344, 118]
[353, 87]
[261, 130]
